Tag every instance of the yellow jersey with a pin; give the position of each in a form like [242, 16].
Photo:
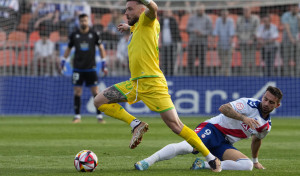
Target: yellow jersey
[143, 49]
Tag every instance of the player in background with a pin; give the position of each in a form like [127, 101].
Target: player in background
[238, 120]
[147, 82]
[85, 41]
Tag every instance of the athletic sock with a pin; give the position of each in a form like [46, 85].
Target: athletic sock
[77, 116]
[169, 152]
[99, 116]
[117, 111]
[135, 123]
[192, 138]
[77, 103]
[241, 164]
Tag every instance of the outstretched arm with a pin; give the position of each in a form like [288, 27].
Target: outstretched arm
[151, 12]
[255, 145]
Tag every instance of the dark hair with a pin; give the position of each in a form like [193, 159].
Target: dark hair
[275, 91]
[82, 16]
[138, 1]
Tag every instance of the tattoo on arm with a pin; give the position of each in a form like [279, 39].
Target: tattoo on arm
[228, 111]
[113, 95]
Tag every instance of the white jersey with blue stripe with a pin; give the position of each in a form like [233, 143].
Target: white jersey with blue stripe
[235, 130]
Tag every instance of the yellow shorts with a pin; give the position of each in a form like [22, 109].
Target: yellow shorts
[152, 91]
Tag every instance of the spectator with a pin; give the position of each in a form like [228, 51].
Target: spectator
[43, 13]
[122, 53]
[199, 28]
[170, 40]
[111, 29]
[8, 15]
[66, 16]
[224, 30]
[267, 34]
[246, 29]
[83, 8]
[45, 62]
[290, 40]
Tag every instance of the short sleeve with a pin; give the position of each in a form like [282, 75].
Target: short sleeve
[71, 41]
[98, 40]
[240, 106]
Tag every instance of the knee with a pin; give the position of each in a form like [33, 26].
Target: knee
[97, 102]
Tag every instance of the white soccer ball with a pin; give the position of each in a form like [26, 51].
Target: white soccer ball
[85, 161]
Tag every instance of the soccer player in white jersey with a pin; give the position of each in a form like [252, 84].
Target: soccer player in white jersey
[238, 120]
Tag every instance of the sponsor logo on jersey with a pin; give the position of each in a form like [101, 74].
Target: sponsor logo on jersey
[245, 126]
[77, 36]
[239, 106]
[90, 35]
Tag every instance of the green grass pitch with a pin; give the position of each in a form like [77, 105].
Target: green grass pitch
[47, 146]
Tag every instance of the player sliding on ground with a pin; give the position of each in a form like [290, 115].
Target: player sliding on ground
[147, 82]
[238, 120]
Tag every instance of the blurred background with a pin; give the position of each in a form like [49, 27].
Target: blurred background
[211, 52]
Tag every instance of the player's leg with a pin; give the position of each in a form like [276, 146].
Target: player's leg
[155, 95]
[77, 103]
[166, 153]
[92, 82]
[94, 90]
[107, 102]
[171, 118]
[232, 160]
[77, 80]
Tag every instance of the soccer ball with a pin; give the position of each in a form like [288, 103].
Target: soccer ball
[85, 161]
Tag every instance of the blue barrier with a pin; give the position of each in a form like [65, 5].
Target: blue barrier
[191, 95]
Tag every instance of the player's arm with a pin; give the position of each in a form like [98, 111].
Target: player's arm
[228, 111]
[151, 12]
[103, 59]
[102, 51]
[67, 52]
[255, 146]
[123, 27]
[65, 56]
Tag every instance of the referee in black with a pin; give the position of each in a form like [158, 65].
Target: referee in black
[85, 41]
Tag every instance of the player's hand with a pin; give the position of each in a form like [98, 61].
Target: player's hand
[252, 123]
[123, 27]
[258, 166]
[62, 63]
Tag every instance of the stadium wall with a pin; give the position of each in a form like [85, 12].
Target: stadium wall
[192, 96]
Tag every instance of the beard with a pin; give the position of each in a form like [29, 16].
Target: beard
[266, 109]
[132, 21]
[83, 27]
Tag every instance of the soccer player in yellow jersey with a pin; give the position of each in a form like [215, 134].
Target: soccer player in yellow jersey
[147, 82]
